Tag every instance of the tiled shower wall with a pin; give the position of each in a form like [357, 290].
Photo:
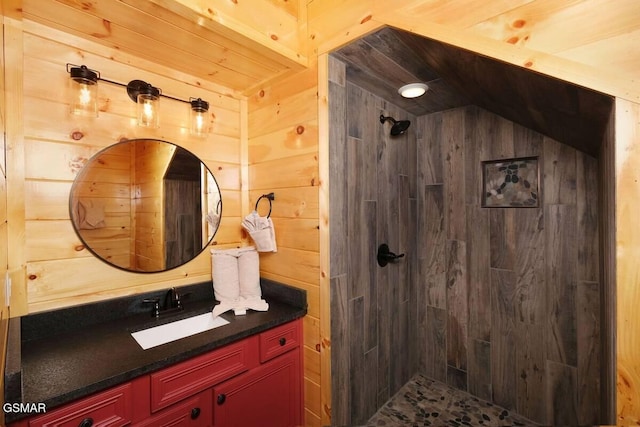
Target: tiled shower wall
[372, 201]
[503, 303]
[508, 298]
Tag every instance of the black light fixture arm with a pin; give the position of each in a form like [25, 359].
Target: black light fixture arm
[134, 87]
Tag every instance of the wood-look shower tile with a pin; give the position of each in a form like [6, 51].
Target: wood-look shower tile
[457, 378]
[479, 273]
[457, 304]
[559, 172]
[530, 365]
[530, 297]
[340, 348]
[338, 208]
[474, 142]
[453, 172]
[357, 118]
[503, 366]
[562, 405]
[587, 206]
[430, 243]
[406, 231]
[436, 344]
[589, 345]
[502, 225]
[429, 154]
[503, 297]
[357, 372]
[560, 278]
[529, 142]
[479, 372]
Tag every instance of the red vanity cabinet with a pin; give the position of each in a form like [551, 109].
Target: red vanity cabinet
[256, 381]
[267, 396]
[118, 406]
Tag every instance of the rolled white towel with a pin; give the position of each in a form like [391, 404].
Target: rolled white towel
[249, 273]
[225, 275]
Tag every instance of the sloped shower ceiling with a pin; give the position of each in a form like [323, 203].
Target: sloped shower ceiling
[385, 60]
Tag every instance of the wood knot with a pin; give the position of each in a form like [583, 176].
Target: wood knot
[528, 64]
[300, 130]
[274, 37]
[519, 23]
[79, 248]
[77, 135]
[365, 19]
[513, 40]
[32, 277]
[261, 93]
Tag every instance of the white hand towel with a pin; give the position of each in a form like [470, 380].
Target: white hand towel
[261, 231]
[249, 278]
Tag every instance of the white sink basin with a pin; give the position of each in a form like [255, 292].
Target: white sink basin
[157, 335]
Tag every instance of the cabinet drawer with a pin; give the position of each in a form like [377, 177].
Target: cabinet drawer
[112, 408]
[191, 412]
[192, 376]
[279, 340]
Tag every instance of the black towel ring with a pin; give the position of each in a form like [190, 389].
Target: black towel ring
[270, 197]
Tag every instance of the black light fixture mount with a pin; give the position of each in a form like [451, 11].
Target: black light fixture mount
[139, 87]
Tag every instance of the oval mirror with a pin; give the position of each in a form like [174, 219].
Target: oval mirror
[145, 205]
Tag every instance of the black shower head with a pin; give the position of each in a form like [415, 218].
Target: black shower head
[399, 126]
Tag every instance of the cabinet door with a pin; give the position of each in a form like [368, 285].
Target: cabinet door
[110, 408]
[268, 396]
[192, 412]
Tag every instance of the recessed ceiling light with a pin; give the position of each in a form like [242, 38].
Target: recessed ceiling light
[413, 90]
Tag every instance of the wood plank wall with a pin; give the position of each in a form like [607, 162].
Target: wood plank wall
[511, 306]
[372, 201]
[4, 308]
[283, 158]
[55, 145]
[627, 273]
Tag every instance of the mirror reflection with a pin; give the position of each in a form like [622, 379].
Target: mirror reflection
[145, 205]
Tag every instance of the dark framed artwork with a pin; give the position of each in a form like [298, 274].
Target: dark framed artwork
[511, 183]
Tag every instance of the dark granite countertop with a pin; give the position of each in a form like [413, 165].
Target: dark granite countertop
[68, 354]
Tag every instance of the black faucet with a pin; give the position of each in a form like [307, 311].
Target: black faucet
[172, 300]
[172, 303]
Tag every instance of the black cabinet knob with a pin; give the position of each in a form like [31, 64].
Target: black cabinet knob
[283, 341]
[87, 422]
[195, 413]
[221, 398]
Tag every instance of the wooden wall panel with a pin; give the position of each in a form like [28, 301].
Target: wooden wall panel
[4, 247]
[59, 144]
[627, 199]
[283, 158]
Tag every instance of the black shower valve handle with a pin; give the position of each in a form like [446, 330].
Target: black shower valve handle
[385, 256]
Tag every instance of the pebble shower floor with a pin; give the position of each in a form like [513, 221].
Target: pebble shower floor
[424, 402]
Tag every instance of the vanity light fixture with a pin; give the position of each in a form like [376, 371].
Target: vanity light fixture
[413, 90]
[84, 99]
[198, 116]
[147, 98]
[83, 92]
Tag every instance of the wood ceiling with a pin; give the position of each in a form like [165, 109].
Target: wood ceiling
[244, 46]
[199, 42]
[387, 59]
